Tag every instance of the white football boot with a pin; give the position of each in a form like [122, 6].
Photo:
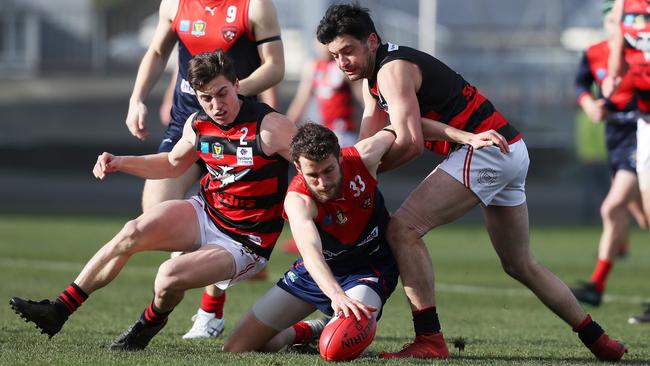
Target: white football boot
[205, 326]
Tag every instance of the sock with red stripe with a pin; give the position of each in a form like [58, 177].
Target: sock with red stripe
[70, 299]
[303, 332]
[152, 315]
[600, 273]
[213, 304]
[425, 321]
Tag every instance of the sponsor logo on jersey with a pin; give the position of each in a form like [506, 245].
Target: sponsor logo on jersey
[224, 175]
[340, 217]
[486, 176]
[292, 276]
[229, 33]
[205, 147]
[198, 28]
[184, 26]
[629, 19]
[327, 220]
[392, 47]
[600, 73]
[366, 203]
[374, 234]
[217, 150]
[186, 87]
[244, 156]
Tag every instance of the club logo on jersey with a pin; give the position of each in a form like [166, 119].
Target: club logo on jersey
[184, 26]
[340, 217]
[487, 176]
[601, 73]
[225, 176]
[244, 156]
[229, 33]
[205, 147]
[198, 28]
[366, 203]
[217, 150]
[292, 276]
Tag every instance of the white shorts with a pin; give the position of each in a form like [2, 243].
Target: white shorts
[643, 144]
[496, 178]
[247, 263]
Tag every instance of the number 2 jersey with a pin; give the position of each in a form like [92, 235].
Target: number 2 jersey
[352, 228]
[205, 26]
[244, 188]
[444, 96]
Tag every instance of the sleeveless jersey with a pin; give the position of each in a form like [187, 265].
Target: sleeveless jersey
[333, 95]
[352, 227]
[444, 96]
[244, 188]
[593, 69]
[208, 25]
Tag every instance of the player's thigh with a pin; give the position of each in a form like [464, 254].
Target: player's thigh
[623, 189]
[507, 227]
[170, 226]
[205, 266]
[160, 190]
[437, 200]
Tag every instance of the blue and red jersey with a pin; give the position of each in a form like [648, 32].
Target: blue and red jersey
[244, 188]
[205, 26]
[334, 96]
[352, 228]
[444, 96]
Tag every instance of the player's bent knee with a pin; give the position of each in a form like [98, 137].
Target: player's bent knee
[518, 268]
[129, 237]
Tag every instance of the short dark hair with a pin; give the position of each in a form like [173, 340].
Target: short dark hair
[206, 66]
[342, 19]
[314, 142]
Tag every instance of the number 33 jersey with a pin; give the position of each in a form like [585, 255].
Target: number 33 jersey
[352, 228]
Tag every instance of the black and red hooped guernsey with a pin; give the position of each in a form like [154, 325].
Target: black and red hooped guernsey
[244, 188]
[351, 227]
[205, 26]
[444, 96]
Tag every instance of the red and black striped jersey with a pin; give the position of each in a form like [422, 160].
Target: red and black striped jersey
[352, 227]
[635, 26]
[593, 70]
[205, 26]
[244, 188]
[444, 96]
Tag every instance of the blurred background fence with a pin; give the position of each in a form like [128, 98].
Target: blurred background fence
[67, 68]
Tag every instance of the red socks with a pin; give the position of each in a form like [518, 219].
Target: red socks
[71, 298]
[153, 315]
[212, 304]
[303, 332]
[599, 276]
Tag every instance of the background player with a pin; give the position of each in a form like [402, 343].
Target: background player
[249, 32]
[620, 114]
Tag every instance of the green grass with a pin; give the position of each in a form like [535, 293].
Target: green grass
[502, 323]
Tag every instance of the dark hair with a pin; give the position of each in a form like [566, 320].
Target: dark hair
[314, 142]
[206, 66]
[342, 19]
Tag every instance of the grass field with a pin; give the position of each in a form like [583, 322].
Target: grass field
[501, 322]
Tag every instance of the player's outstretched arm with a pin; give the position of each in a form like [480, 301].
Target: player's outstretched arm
[153, 166]
[434, 130]
[276, 132]
[301, 211]
[374, 148]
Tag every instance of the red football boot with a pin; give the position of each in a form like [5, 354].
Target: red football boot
[424, 346]
[607, 349]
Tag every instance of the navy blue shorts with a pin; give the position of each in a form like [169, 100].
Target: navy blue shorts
[381, 277]
[622, 158]
[172, 134]
[620, 139]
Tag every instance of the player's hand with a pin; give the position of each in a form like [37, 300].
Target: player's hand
[488, 138]
[135, 120]
[596, 110]
[609, 85]
[106, 163]
[345, 306]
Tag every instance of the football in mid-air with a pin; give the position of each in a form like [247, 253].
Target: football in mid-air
[345, 339]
